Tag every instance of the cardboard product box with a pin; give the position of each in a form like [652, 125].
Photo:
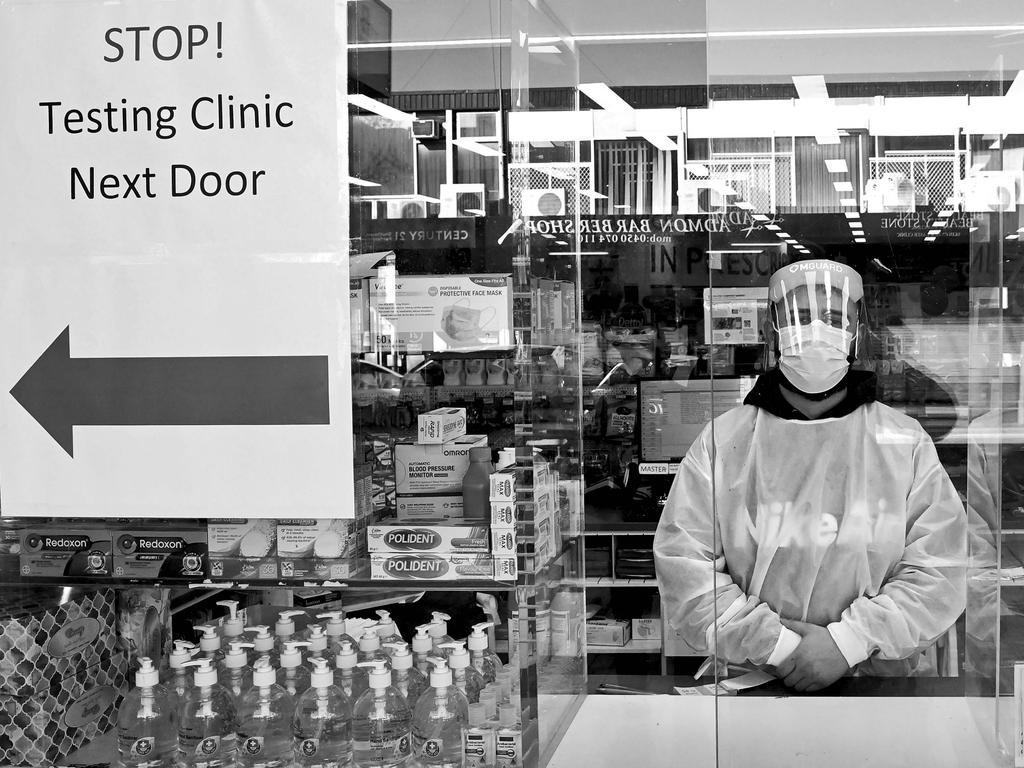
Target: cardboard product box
[160, 552]
[440, 425]
[607, 632]
[503, 541]
[57, 548]
[46, 726]
[436, 537]
[503, 486]
[430, 567]
[503, 514]
[242, 549]
[320, 549]
[415, 509]
[359, 314]
[435, 313]
[434, 470]
[646, 628]
[43, 641]
[506, 568]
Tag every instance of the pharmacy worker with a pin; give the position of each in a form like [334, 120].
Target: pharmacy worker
[812, 530]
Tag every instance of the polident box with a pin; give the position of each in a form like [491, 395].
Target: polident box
[441, 425]
[434, 313]
[428, 478]
[431, 567]
[319, 549]
[242, 549]
[58, 547]
[436, 538]
[152, 552]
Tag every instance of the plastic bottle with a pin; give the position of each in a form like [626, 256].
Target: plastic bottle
[322, 724]
[381, 722]
[476, 484]
[348, 676]
[236, 671]
[422, 647]
[369, 646]
[467, 679]
[484, 660]
[263, 644]
[209, 644]
[207, 726]
[409, 680]
[147, 722]
[293, 675]
[318, 641]
[478, 739]
[265, 722]
[387, 630]
[437, 722]
[233, 626]
[177, 678]
[489, 700]
[335, 630]
[509, 738]
[284, 629]
[438, 630]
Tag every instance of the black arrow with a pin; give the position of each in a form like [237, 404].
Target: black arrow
[61, 392]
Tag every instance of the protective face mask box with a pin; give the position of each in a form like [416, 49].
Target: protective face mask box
[243, 548]
[440, 425]
[160, 552]
[55, 548]
[431, 567]
[433, 538]
[321, 549]
[434, 313]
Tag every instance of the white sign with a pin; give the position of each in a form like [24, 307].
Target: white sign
[174, 329]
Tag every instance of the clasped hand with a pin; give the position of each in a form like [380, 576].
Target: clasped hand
[816, 663]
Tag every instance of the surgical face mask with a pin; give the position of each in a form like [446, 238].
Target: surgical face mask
[814, 357]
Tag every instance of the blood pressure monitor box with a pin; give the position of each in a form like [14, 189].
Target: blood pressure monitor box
[61, 548]
[160, 552]
[435, 313]
[431, 567]
[435, 537]
[242, 549]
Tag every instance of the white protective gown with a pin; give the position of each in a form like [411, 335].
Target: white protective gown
[849, 523]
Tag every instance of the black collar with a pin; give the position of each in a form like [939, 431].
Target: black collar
[767, 394]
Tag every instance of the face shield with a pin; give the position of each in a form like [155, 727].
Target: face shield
[815, 309]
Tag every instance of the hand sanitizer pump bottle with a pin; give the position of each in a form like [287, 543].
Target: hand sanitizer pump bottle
[484, 660]
[209, 644]
[381, 722]
[440, 716]
[322, 724]
[284, 629]
[336, 631]
[439, 632]
[464, 674]
[348, 675]
[265, 722]
[369, 647]
[318, 641]
[293, 676]
[233, 626]
[387, 630]
[177, 679]
[409, 680]
[422, 648]
[263, 644]
[237, 672]
[207, 726]
[147, 722]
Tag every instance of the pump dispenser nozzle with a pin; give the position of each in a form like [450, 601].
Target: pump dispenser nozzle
[263, 675]
[210, 640]
[205, 674]
[440, 675]
[236, 656]
[285, 625]
[291, 656]
[321, 676]
[148, 675]
[182, 652]
[477, 640]
[380, 675]
[233, 625]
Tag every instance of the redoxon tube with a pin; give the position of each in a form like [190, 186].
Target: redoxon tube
[431, 567]
[441, 539]
[50, 550]
[160, 553]
[441, 425]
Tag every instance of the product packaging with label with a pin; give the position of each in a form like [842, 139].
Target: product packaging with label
[503, 541]
[440, 425]
[506, 568]
[320, 549]
[153, 552]
[55, 547]
[431, 567]
[243, 549]
[434, 313]
[607, 632]
[434, 470]
[647, 629]
[414, 509]
[359, 321]
[438, 538]
[503, 514]
[503, 486]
